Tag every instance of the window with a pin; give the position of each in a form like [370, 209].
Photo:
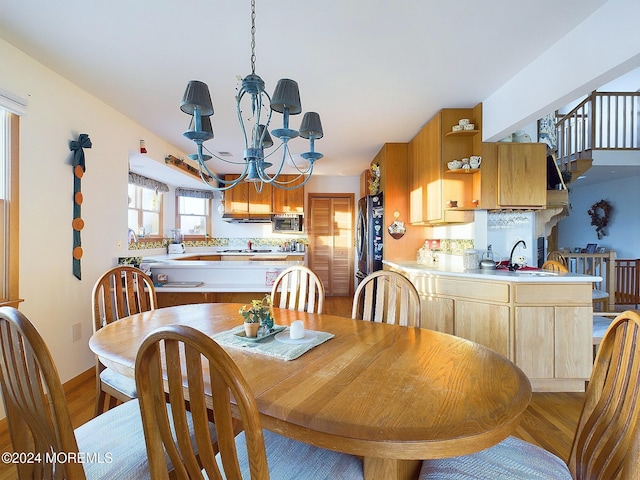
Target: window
[193, 210]
[145, 211]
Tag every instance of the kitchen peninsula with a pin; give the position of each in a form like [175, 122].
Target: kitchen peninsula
[218, 276]
[542, 321]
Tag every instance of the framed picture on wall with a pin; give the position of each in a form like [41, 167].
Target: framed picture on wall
[547, 131]
[591, 247]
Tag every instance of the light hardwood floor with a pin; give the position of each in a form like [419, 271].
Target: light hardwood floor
[549, 421]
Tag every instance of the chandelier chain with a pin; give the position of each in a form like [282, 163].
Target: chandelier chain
[253, 36]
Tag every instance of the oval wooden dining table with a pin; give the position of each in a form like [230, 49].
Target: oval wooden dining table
[390, 394]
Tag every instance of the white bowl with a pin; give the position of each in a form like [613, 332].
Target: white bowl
[457, 128]
[463, 121]
[469, 126]
[454, 165]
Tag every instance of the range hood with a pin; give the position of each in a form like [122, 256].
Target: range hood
[247, 217]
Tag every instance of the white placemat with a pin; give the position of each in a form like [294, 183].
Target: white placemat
[270, 346]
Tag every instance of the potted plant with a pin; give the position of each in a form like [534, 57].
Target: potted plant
[257, 315]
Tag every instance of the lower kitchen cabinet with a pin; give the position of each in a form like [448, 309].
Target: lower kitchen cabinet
[437, 313]
[552, 332]
[169, 299]
[483, 323]
[544, 327]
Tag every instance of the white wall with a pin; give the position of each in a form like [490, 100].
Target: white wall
[57, 113]
[624, 228]
[602, 48]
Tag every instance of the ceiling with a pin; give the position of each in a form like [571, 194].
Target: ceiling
[376, 71]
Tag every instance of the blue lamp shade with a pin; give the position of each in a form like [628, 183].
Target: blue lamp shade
[197, 95]
[268, 141]
[206, 132]
[311, 126]
[286, 94]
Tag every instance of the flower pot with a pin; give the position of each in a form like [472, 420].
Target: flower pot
[251, 329]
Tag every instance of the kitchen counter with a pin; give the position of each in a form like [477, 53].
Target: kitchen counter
[540, 321]
[502, 274]
[253, 271]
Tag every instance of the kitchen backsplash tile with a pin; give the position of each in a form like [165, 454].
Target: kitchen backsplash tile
[220, 242]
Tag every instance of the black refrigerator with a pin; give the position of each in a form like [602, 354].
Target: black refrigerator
[369, 231]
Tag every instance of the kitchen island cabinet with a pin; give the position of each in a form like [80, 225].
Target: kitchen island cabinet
[543, 323]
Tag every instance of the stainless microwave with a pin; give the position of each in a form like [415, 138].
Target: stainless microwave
[287, 223]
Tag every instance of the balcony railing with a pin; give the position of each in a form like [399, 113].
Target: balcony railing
[602, 121]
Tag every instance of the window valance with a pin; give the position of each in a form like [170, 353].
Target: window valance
[187, 192]
[142, 181]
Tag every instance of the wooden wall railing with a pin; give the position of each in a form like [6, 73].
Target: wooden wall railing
[598, 264]
[602, 121]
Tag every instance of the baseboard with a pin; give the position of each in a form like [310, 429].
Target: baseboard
[67, 387]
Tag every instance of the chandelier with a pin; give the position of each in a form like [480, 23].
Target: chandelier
[253, 101]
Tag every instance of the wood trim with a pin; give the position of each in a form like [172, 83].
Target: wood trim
[14, 210]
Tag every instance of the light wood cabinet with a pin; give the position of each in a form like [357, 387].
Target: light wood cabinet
[437, 313]
[394, 172]
[245, 199]
[545, 328]
[552, 332]
[289, 201]
[514, 175]
[483, 323]
[432, 185]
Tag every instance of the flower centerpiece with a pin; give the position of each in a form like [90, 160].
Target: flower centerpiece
[257, 315]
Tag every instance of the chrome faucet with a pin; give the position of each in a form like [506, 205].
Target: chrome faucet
[513, 267]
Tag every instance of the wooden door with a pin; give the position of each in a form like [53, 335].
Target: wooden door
[331, 230]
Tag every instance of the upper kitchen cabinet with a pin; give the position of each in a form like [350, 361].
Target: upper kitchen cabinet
[393, 162]
[244, 199]
[437, 193]
[289, 201]
[514, 175]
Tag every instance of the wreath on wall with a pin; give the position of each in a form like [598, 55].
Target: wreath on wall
[600, 214]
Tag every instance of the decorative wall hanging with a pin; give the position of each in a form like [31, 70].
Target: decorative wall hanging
[600, 214]
[374, 179]
[397, 228]
[78, 171]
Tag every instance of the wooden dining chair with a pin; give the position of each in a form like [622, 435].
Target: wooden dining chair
[606, 444]
[39, 420]
[554, 266]
[557, 256]
[298, 288]
[121, 291]
[388, 297]
[195, 364]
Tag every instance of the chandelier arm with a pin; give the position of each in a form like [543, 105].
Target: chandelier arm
[282, 185]
[205, 171]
